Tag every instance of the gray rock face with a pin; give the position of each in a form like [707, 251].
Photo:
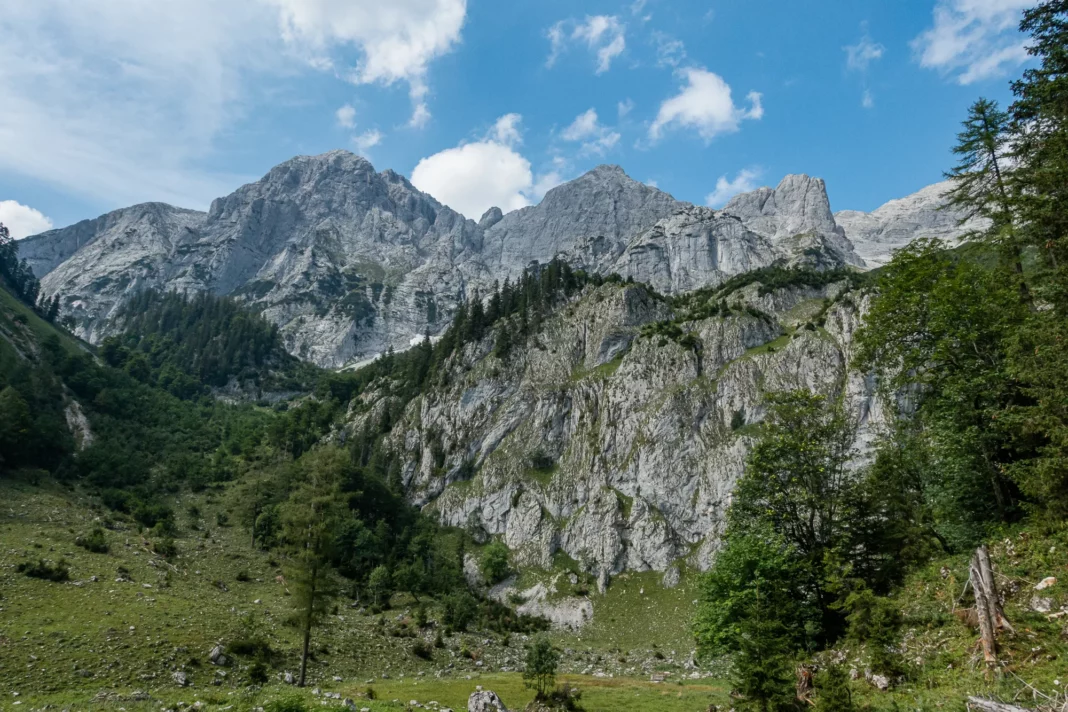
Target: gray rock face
[644, 446]
[897, 223]
[47, 251]
[604, 203]
[694, 247]
[797, 206]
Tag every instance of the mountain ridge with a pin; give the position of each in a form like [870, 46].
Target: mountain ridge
[350, 262]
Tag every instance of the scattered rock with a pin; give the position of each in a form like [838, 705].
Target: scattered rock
[180, 678]
[1045, 583]
[485, 701]
[1041, 604]
[216, 656]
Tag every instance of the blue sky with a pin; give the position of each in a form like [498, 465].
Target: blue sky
[112, 102]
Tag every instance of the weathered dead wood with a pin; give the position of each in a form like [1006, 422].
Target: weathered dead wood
[981, 705]
[988, 609]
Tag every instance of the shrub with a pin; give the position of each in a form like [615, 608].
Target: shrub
[494, 563]
[41, 569]
[286, 704]
[165, 547]
[833, 691]
[458, 610]
[258, 673]
[421, 650]
[94, 541]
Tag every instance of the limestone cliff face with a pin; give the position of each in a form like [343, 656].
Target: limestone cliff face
[616, 447]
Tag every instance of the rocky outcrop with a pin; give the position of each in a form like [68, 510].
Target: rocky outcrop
[613, 444]
[797, 207]
[897, 223]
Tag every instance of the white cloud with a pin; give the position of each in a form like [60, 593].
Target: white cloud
[670, 52]
[862, 54]
[122, 101]
[744, 181]
[973, 39]
[506, 130]
[397, 39]
[586, 128]
[704, 104]
[474, 177]
[367, 140]
[346, 117]
[624, 107]
[604, 35]
[22, 220]
[867, 100]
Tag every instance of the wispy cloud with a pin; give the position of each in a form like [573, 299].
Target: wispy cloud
[860, 55]
[743, 182]
[595, 138]
[859, 58]
[604, 35]
[973, 40]
[123, 101]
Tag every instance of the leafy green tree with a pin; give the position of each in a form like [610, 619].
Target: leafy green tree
[380, 583]
[797, 484]
[539, 669]
[15, 426]
[763, 670]
[494, 562]
[311, 517]
[754, 572]
[939, 328]
[458, 610]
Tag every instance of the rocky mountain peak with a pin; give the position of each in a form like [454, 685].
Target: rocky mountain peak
[490, 218]
[797, 206]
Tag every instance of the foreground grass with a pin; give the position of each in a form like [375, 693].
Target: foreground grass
[89, 644]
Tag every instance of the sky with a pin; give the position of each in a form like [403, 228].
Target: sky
[107, 103]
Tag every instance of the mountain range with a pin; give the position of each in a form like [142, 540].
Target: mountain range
[350, 262]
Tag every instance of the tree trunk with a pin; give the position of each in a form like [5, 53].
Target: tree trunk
[304, 653]
[309, 614]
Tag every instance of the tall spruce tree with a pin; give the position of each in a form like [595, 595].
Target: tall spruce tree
[981, 179]
[1040, 133]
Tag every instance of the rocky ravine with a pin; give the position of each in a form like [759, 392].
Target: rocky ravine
[617, 448]
[349, 262]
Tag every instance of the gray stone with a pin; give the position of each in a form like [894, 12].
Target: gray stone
[485, 701]
[180, 678]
